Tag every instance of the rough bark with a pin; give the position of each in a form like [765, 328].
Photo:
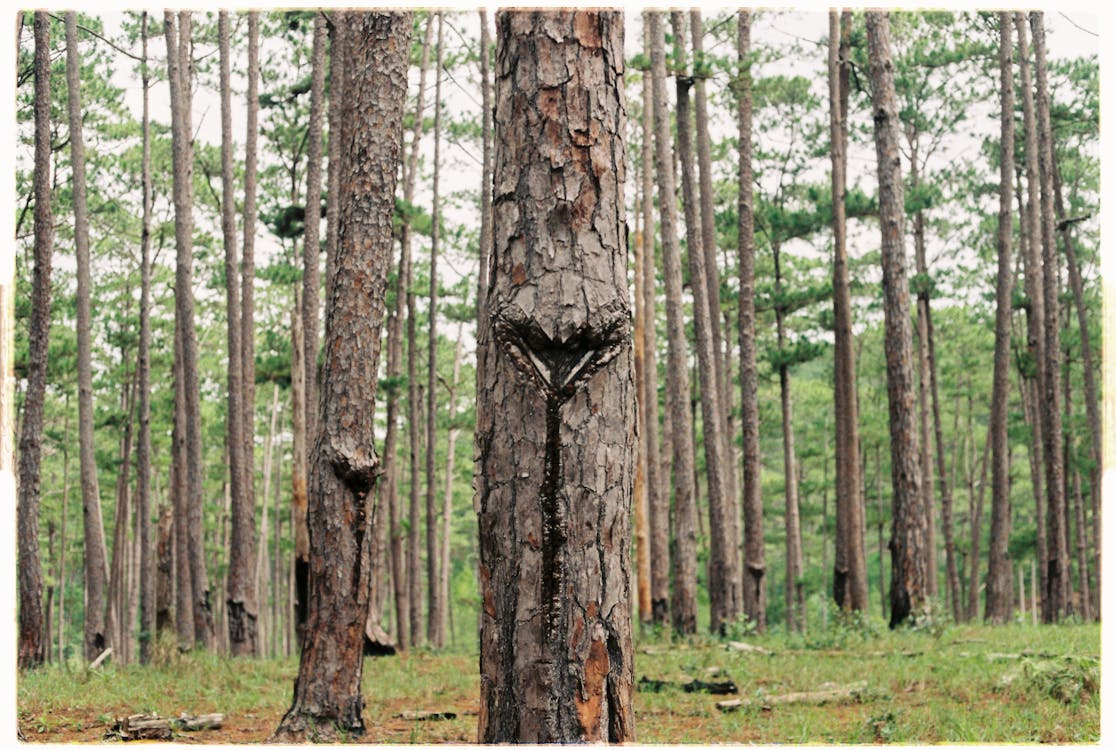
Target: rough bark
[31, 635]
[909, 576]
[1056, 601]
[248, 272]
[299, 467]
[755, 568]
[333, 115]
[311, 238]
[486, 172]
[240, 601]
[436, 614]
[658, 497]
[327, 699]
[684, 553]
[556, 414]
[1032, 269]
[640, 503]
[850, 573]
[724, 604]
[998, 594]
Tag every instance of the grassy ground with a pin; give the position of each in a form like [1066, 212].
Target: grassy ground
[959, 685]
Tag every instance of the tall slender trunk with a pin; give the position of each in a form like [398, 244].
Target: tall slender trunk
[143, 385]
[311, 238]
[436, 615]
[1092, 399]
[248, 277]
[31, 636]
[1056, 602]
[299, 460]
[684, 553]
[850, 578]
[116, 623]
[554, 521]
[263, 577]
[755, 582]
[445, 569]
[327, 696]
[910, 592]
[1073, 494]
[998, 594]
[486, 173]
[96, 577]
[1032, 265]
[640, 502]
[658, 497]
[414, 556]
[723, 589]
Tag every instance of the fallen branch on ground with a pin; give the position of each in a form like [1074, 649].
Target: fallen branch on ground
[854, 693]
[155, 727]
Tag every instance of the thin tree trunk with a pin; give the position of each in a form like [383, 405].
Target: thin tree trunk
[658, 498]
[263, 577]
[556, 653]
[998, 598]
[976, 496]
[445, 568]
[96, 575]
[755, 582]
[116, 625]
[640, 500]
[31, 635]
[299, 497]
[327, 700]
[337, 18]
[486, 172]
[910, 592]
[61, 619]
[1056, 602]
[248, 276]
[414, 557]
[684, 554]
[143, 443]
[311, 238]
[436, 615]
[1073, 494]
[1032, 265]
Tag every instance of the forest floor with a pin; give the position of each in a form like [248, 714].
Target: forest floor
[846, 684]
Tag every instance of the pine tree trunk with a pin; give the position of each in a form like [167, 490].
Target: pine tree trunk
[31, 635]
[684, 553]
[755, 569]
[658, 498]
[97, 634]
[910, 592]
[1056, 601]
[311, 242]
[327, 700]
[640, 502]
[337, 19]
[247, 281]
[299, 463]
[1032, 265]
[556, 649]
[850, 577]
[414, 425]
[436, 615]
[264, 623]
[998, 594]
[486, 172]
[723, 590]
[445, 569]
[147, 579]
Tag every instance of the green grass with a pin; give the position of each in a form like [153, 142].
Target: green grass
[958, 684]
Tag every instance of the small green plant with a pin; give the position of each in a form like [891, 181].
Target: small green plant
[931, 619]
[1069, 682]
[882, 726]
[740, 628]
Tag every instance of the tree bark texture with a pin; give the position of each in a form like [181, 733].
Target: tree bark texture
[850, 572]
[311, 238]
[658, 496]
[1056, 601]
[436, 610]
[248, 271]
[723, 571]
[684, 552]
[96, 634]
[640, 503]
[327, 699]
[998, 594]
[556, 413]
[755, 569]
[299, 467]
[31, 633]
[909, 576]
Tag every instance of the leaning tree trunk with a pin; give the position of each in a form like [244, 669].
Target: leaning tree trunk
[31, 635]
[556, 413]
[327, 700]
[724, 602]
[658, 497]
[96, 632]
[850, 572]
[1056, 601]
[998, 595]
[755, 569]
[684, 557]
[909, 576]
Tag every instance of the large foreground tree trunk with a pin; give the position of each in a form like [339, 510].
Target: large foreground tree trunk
[909, 576]
[327, 698]
[31, 634]
[556, 413]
